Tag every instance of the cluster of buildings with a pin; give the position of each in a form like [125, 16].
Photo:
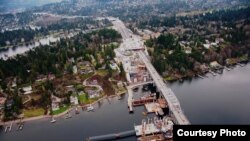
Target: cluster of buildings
[135, 69]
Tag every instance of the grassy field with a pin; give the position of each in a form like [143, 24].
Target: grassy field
[60, 110]
[83, 98]
[33, 112]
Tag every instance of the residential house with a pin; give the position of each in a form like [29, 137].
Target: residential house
[74, 69]
[93, 93]
[74, 100]
[2, 102]
[27, 90]
[55, 103]
[215, 65]
[187, 50]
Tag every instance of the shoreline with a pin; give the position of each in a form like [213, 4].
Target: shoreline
[93, 103]
[49, 116]
[182, 77]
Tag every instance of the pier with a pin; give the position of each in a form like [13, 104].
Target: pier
[240, 64]
[143, 101]
[112, 136]
[154, 126]
[130, 93]
[200, 76]
[213, 73]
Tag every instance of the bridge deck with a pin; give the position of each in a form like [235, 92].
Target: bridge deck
[172, 100]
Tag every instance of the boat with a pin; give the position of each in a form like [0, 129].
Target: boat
[53, 120]
[77, 111]
[21, 126]
[227, 68]
[68, 115]
[119, 97]
[90, 108]
[145, 88]
[6, 129]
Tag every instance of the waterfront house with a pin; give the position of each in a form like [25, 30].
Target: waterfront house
[55, 102]
[93, 93]
[2, 102]
[74, 100]
[84, 67]
[215, 65]
[204, 68]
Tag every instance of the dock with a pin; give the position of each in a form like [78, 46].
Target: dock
[200, 76]
[130, 94]
[143, 101]
[148, 129]
[8, 127]
[240, 64]
[213, 73]
[228, 69]
[130, 100]
[154, 126]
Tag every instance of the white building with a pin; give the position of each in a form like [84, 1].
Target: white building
[207, 46]
[27, 90]
[74, 100]
[74, 69]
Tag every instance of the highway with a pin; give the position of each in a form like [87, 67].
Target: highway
[168, 94]
[134, 42]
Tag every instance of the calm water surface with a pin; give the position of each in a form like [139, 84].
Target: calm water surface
[13, 5]
[223, 99]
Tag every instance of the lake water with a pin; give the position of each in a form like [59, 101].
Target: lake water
[13, 5]
[221, 99]
[13, 51]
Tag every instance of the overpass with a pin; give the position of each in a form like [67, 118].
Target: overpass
[173, 103]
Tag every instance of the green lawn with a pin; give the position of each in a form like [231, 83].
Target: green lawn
[33, 112]
[83, 98]
[60, 110]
